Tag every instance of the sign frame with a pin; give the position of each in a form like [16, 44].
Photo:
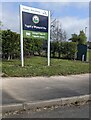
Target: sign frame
[38, 12]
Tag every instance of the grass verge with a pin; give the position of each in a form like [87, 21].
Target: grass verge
[37, 66]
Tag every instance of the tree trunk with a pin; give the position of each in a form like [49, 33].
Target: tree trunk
[8, 57]
[59, 54]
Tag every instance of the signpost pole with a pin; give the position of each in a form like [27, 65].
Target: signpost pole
[27, 26]
[21, 37]
[48, 38]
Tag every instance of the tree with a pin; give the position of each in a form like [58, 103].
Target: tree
[39, 46]
[64, 35]
[0, 37]
[54, 48]
[57, 33]
[10, 44]
[1, 24]
[74, 38]
[80, 39]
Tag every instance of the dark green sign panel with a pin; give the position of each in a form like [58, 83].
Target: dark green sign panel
[35, 26]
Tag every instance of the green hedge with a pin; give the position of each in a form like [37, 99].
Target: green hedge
[11, 47]
[63, 49]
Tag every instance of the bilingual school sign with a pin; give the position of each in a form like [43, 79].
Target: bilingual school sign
[35, 23]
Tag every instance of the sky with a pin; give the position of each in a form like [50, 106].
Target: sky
[73, 16]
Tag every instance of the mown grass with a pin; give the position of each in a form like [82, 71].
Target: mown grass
[37, 66]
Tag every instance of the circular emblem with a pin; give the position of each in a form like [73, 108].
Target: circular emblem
[35, 19]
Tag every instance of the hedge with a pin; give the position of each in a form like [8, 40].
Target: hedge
[64, 49]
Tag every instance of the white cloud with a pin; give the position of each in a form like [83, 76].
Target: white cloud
[70, 24]
[45, 1]
[0, 11]
[74, 25]
[10, 21]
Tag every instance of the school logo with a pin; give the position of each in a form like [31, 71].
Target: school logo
[35, 19]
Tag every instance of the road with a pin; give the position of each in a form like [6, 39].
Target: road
[61, 112]
[19, 90]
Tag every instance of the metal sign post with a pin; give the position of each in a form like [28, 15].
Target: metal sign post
[21, 37]
[35, 24]
[49, 39]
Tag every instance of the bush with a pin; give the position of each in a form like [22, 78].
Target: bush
[64, 49]
[71, 50]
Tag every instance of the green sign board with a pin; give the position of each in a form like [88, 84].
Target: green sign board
[33, 34]
[35, 24]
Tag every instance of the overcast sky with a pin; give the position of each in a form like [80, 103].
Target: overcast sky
[74, 16]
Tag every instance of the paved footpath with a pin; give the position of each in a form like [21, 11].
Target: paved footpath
[19, 90]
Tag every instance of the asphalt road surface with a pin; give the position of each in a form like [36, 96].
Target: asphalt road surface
[19, 90]
[61, 112]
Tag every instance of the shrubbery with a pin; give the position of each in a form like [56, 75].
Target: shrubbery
[65, 50]
[11, 47]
